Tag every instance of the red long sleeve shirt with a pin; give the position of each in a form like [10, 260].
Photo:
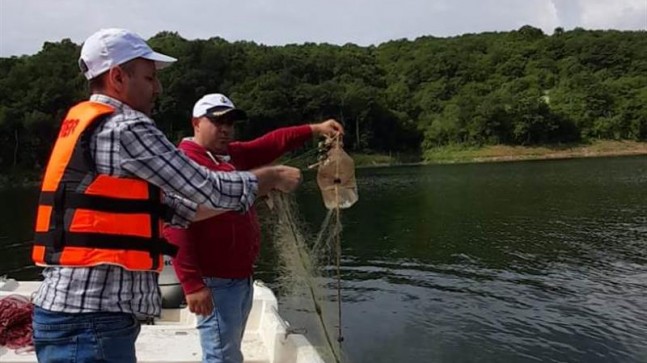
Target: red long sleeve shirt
[227, 245]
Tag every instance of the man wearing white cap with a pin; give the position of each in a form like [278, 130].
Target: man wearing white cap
[216, 256]
[111, 180]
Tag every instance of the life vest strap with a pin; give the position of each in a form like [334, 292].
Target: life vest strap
[104, 204]
[155, 196]
[106, 241]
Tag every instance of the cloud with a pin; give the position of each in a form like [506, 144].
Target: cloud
[602, 14]
[619, 14]
[26, 24]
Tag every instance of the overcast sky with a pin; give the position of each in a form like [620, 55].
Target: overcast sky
[26, 24]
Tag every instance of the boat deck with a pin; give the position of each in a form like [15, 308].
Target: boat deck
[174, 339]
[179, 346]
[184, 346]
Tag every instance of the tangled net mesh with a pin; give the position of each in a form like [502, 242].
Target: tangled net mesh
[306, 261]
[15, 322]
[300, 273]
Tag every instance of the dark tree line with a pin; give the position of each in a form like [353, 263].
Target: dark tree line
[521, 87]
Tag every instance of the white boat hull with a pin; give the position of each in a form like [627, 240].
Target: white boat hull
[173, 338]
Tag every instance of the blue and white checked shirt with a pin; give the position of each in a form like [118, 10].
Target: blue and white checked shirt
[129, 144]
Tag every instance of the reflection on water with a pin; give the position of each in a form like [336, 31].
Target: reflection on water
[511, 262]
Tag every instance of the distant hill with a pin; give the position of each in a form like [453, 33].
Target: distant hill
[516, 88]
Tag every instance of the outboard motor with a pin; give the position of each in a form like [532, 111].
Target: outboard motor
[172, 294]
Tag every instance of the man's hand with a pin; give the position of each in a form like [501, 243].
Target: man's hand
[327, 128]
[281, 177]
[289, 178]
[200, 302]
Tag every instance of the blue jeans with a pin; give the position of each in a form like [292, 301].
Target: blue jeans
[221, 333]
[90, 337]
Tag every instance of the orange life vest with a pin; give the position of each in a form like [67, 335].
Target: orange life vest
[86, 218]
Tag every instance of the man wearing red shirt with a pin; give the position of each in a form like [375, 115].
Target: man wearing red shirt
[216, 257]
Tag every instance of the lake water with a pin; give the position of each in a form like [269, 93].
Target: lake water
[541, 261]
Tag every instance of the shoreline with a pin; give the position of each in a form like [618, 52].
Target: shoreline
[449, 155]
[505, 153]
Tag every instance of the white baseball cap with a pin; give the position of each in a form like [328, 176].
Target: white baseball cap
[216, 105]
[108, 48]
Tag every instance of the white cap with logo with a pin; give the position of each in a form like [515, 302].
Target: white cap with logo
[108, 48]
[216, 105]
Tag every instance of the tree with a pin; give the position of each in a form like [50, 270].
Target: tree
[520, 87]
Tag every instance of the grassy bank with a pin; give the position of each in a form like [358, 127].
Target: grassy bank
[368, 160]
[598, 148]
[495, 153]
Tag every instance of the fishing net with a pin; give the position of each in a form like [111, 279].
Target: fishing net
[15, 322]
[336, 177]
[303, 257]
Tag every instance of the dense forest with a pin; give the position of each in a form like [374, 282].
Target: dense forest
[521, 87]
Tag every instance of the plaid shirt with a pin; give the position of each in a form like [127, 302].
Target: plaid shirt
[128, 144]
